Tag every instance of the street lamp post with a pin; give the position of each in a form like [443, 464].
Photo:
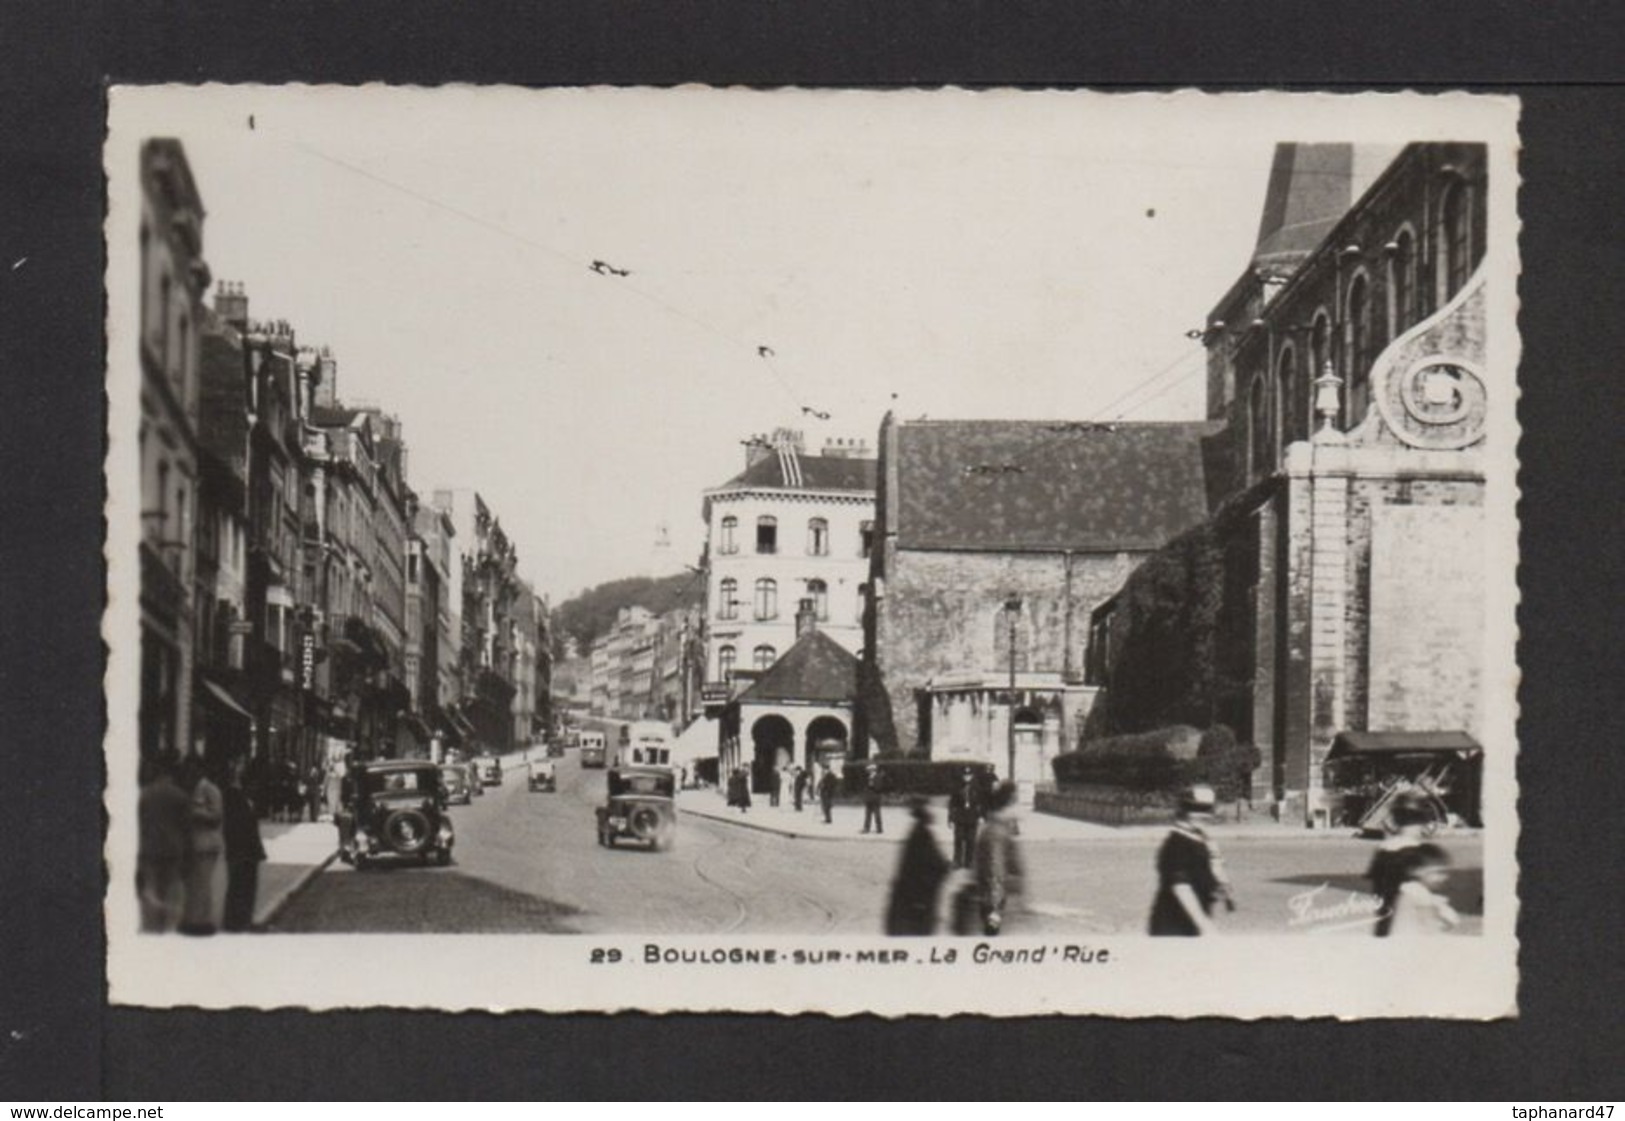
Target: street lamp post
[1012, 606]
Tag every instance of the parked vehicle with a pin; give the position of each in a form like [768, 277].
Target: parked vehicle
[641, 806]
[490, 771]
[543, 776]
[594, 747]
[644, 743]
[397, 812]
[454, 777]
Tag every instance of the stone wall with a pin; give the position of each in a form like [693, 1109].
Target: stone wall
[942, 613]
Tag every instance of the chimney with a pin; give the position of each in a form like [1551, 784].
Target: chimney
[806, 617]
[845, 447]
[757, 449]
[231, 303]
[327, 379]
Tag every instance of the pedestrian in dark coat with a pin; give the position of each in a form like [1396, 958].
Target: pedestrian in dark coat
[920, 872]
[826, 793]
[164, 812]
[800, 787]
[872, 791]
[965, 815]
[1190, 876]
[244, 852]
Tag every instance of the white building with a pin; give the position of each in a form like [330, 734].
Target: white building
[789, 527]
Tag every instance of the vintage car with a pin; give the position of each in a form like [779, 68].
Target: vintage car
[490, 770]
[640, 806]
[543, 776]
[454, 777]
[397, 811]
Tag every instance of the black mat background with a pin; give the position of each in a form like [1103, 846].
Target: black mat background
[58, 1040]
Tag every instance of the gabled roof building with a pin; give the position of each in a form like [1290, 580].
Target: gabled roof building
[996, 539]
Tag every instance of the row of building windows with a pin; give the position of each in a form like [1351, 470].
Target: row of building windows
[767, 536]
[1281, 402]
[765, 604]
[728, 659]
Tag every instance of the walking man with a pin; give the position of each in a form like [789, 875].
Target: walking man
[208, 808]
[871, 800]
[965, 814]
[800, 787]
[826, 793]
[244, 852]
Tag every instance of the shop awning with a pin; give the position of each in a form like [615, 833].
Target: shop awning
[224, 699]
[1402, 743]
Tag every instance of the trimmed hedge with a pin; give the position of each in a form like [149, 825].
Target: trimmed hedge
[1162, 760]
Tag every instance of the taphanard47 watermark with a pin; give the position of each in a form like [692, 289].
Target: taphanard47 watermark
[1563, 1112]
[1324, 909]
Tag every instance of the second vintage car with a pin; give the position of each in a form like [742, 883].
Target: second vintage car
[397, 811]
[640, 806]
[543, 776]
[490, 770]
[454, 777]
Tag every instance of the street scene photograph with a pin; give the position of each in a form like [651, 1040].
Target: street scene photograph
[763, 542]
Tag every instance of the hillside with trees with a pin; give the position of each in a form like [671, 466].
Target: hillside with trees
[592, 613]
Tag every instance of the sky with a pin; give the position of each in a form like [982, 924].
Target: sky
[946, 254]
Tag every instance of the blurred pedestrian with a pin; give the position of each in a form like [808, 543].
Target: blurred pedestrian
[920, 872]
[965, 815]
[1390, 864]
[872, 791]
[1190, 876]
[775, 786]
[164, 812]
[1419, 907]
[244, 852]
[1000, 872]
[826, 793]
[334, 793]
[799, 785]
[313, 791]
[207, 843]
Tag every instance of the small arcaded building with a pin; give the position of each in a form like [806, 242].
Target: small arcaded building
[797, 713]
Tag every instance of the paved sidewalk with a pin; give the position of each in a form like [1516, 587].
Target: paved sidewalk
[847, 823]
[294, 855]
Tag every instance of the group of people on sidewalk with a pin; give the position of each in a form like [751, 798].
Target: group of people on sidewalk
[1406, 873]
[192, 814]
[984, 843]
[796, 784]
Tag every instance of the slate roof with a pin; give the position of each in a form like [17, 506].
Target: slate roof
[1015, 485]
[816, 668]
[816, 472]
[326, 416]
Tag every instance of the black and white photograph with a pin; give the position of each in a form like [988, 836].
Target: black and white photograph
[904, 552]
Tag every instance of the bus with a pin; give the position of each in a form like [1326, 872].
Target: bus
[594, 747]
[644, 743]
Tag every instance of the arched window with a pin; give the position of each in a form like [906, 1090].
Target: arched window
[1320, 341]
[818, 591]
[764, 656]
[728, 598]
[767, 598]
[1357, 368]
[817, 537]
[1402, 284]
[1289, 392]
[1260, 459]
[729, 542]
[1456, 240]
[726, 657]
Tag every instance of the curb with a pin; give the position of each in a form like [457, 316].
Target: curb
[743, 824]
[265, 915]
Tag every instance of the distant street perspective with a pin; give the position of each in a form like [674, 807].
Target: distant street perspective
[671, 638]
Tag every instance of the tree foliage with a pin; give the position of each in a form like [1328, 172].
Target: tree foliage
[592, 613]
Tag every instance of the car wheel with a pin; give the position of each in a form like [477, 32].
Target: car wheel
[408, 832]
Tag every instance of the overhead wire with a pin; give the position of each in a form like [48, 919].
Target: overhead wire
[620, 276]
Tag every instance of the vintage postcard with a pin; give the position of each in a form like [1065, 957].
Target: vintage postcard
[911, 552]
